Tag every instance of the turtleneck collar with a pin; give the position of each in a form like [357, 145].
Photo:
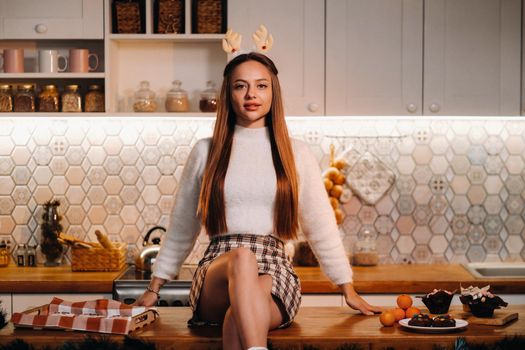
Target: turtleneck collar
[251, 133]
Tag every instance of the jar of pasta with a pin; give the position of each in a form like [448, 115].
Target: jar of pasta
[48, 99]
[177, 98]
[24, 99]
[144, 98]
[6, 98]
[71, 99]
[94, 99]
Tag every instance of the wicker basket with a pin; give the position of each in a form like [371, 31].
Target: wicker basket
[127, 16]
[99, 259]
[208, 16]
[169, 16]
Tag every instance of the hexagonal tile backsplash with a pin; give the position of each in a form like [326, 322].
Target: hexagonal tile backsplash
[459, 192]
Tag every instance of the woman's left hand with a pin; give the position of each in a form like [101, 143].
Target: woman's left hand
[356, 302]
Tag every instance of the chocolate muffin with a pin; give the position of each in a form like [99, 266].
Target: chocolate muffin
[438, 301]
[443, 321]
[420, 320]
[481, 301]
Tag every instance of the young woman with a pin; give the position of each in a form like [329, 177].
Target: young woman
[251, 187]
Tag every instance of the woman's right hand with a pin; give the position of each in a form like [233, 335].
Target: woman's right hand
[147, 299]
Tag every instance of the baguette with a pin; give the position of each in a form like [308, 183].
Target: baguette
[103, 240]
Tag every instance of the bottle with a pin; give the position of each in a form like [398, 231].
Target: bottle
[144, 99]
[208, 101]
[21, 255]
[31, 255]
[6, 98]
[71, 99]
[48, 99]
[365, 253]
[4, 254]
[177, 98]
[94, 99]
[24, 99]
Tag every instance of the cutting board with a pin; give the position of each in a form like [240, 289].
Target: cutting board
[500, 318]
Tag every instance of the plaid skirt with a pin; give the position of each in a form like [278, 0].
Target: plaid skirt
[271, 260]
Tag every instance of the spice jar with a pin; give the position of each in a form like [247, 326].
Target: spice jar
[4, 254]
[208, 101]
[21, 255]
[6, 98]
[144, 99]
[48, 99]
[94, 99]
[365, 253]
[71, 99]
[177, 98]
[24, 99]
[31, 255]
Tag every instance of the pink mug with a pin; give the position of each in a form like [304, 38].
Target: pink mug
[12, 60]
[79, 61]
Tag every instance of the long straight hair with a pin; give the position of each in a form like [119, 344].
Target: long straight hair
[211, 201]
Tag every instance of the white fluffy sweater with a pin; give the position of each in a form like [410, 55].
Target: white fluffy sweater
[249, 196]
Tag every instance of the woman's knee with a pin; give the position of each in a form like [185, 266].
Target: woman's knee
[242, 261]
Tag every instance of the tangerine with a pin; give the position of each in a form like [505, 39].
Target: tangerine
[404, 301]
[398, 313]
[387, 318]
[411, 311]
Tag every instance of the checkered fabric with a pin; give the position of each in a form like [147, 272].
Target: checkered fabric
[102, 316]
[271, 260]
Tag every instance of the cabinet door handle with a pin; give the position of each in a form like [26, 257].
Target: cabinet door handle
[434, 108]
[313, 107]
[411, 107]
[41, 28]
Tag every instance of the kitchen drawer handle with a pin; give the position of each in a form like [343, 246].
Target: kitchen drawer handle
[434, 108]
[411, 107]
[41, 28]
[313, 107]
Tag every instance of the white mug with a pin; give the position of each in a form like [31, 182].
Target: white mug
[48, 61]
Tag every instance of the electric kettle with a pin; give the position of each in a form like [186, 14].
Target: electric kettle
[146, 258]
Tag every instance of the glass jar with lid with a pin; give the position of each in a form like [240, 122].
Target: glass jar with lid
[144, 98]
[365, 252]
[4, 254]
[6, 98]
[208, 101]
[24, 99]
[48, 99]
[94, 99]
[177, 98]
[71, 99]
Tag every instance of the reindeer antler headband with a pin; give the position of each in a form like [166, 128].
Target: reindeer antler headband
[262, 39]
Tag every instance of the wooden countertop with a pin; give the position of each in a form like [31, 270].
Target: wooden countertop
[391, 279]
[328, 327]
[60, 279]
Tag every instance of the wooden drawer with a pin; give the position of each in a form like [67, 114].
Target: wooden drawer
[51, 19]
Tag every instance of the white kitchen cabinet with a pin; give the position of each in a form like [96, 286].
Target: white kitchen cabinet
[298, 52]
[439, 57]
[374, 57]
[22, 301]
[51, 19]
[6, 303]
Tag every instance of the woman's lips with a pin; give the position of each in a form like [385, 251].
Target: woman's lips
[251, 106]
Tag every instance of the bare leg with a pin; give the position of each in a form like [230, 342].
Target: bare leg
[233, 281]
[230, 335]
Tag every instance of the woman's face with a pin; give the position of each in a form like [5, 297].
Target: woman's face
[251, 94]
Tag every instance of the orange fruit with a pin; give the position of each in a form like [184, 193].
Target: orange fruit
[411, 311]
[398, 313]
[387, 318]
[404, 301]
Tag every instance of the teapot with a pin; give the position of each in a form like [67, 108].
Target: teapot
[146, 258]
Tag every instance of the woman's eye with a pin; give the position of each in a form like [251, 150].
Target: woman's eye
[239, 86]
[262, 86]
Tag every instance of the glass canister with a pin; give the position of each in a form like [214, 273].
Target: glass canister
[71, 99]
[94, 99]
[365, 252]
[6, 98]
[48, 99]
[208, 101]
[177, 98]
[4, 254]
[144, 98]
[24, 98]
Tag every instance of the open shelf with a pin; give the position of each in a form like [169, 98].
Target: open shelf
[168, 37]
[64, 75]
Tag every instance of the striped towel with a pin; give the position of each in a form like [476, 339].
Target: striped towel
[101, 315]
